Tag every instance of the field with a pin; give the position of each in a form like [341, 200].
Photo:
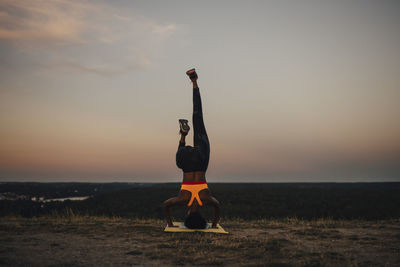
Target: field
[102, 241]
[269, 224]
[366, 201]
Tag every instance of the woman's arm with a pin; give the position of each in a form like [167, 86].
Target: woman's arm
[167, 204]
[215, 203]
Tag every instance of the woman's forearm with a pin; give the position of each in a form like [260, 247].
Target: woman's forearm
[216, 212]
[216, 217]
[167, 214]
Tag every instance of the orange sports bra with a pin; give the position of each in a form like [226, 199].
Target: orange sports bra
[194, 188]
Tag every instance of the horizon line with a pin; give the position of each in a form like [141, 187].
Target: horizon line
[226, 182]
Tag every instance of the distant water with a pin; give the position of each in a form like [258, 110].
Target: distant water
[65, 198]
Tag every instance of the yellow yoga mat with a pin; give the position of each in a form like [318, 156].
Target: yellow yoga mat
[182, 229]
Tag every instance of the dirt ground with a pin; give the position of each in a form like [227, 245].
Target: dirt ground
[97, 241]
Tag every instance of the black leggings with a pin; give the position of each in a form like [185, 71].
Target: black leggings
[200, 138]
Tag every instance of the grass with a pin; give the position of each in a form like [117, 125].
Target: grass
[121, 241]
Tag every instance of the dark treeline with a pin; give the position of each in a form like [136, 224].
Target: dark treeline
[61, 190]
[368, 201]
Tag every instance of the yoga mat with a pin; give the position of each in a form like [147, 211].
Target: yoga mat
[182, 229]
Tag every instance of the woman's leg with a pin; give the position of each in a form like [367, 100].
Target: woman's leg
[199, 130]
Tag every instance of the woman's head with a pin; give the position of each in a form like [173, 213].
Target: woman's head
[195, 221]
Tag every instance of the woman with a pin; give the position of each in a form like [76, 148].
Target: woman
[194, 162]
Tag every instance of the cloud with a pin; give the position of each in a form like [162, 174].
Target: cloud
[82, 35]
[164, 30]
[42, 21]
[103, 70]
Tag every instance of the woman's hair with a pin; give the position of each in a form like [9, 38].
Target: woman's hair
[195, 221]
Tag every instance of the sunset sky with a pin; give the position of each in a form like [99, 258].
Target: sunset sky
[293, 91]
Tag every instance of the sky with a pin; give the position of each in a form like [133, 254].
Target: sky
[292, 91]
